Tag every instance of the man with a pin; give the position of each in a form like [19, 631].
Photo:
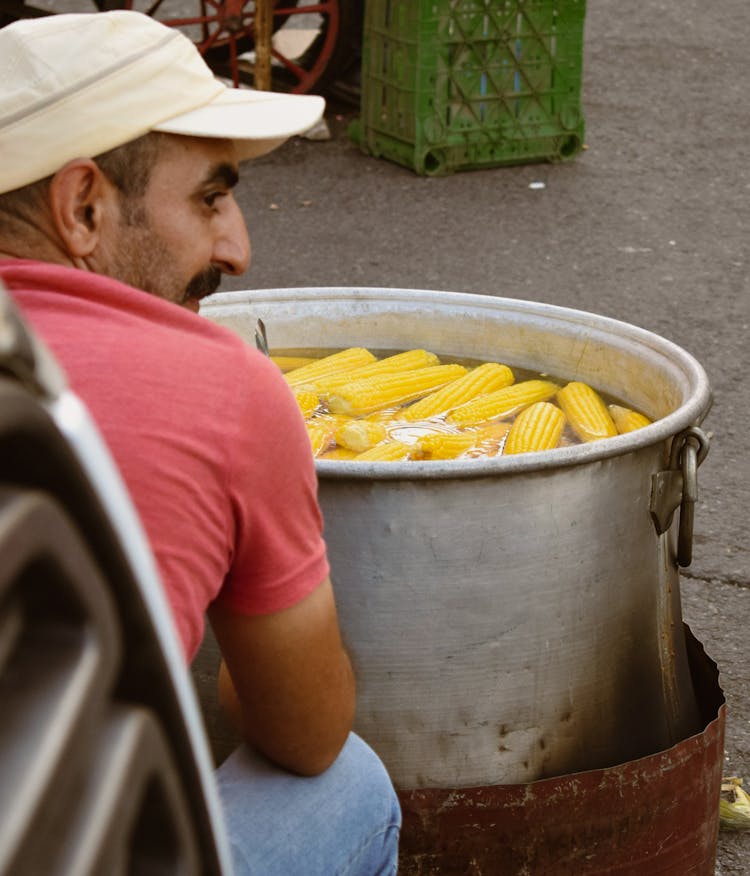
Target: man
[119, 151]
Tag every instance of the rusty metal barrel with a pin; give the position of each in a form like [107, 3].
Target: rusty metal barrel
[516, 619]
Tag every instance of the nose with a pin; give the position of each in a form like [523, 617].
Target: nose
[231, 252]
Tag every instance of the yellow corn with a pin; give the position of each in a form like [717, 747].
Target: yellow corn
[502, 403]
[321, 431]
[289, 363]
[386, 451]
[332, 421]
[307, 400]
[537, 427]
[374, 393]
[484, 378]
[586, 412]
[734, 814]
[627, 420]
[320, 435]
[360, 435]
[490, 440]
[336, 363]
[338, 453]
[446, 445]
[408, 361]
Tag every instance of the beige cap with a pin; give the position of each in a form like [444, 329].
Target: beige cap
[74, 86]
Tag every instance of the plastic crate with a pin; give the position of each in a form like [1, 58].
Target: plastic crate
[462, 84]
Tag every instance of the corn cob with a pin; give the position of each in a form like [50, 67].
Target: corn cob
[537, 427]
[289, 363]
[374, 393]
[450, 445]
[502, 403]
[320, 435]
[386, 451]
[627, 420]
[484, 378]
[408, 361]
[360, 435]
[586, 412]
[490, 441]
[336, 363]
[332, 421]
[338, 453]
[307, 400]
[446, 445]
[734, 814]
[320, 431]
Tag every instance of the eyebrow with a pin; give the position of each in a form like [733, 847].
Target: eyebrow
[224, 173]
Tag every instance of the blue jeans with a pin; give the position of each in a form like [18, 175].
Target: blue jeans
[344, 822]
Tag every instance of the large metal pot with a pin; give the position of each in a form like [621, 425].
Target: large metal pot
[513, 618]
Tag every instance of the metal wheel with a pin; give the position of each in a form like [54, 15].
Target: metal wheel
[309, 37]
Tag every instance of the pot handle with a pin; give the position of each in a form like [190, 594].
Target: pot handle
[678, 487]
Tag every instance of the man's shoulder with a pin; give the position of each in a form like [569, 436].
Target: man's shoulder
[91, 319]
[26, 273]
[60, 294]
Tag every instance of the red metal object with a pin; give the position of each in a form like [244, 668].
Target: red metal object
[655, 815]
[223, 30]
[228, 27]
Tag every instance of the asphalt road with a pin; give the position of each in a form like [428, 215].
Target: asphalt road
[649, 225]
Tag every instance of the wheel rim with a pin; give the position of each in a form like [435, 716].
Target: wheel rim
[224, 31]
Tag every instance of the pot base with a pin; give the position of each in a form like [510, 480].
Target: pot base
[655, 815]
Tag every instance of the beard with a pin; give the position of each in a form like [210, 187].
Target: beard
[143, 260]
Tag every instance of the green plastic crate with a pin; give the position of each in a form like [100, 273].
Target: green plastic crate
[453, 85]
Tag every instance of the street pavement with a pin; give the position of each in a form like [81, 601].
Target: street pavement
[649, 225]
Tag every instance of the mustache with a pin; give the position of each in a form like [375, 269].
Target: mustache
[204, 283]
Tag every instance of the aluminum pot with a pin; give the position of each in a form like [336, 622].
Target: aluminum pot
[513, 618]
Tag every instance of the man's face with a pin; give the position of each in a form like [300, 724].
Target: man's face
[187, 230]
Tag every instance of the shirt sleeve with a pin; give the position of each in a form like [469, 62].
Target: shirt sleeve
[279, 553]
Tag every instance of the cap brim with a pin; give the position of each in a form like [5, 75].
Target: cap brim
[258, 121]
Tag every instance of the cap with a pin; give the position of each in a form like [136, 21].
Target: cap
[77, 85]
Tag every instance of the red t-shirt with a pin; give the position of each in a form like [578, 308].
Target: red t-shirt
[207, 435]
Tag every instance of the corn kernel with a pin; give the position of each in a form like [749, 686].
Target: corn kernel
[586, 412]
[411, 360]
[338, 453]
[487, 377]
[491, 439]
[321, 431]
[320, 435]
[307, 400]
[289, 363]
[446, 445]
[537, 427]
[502, 403]
[360, 435]
[386, 451]
[627, 420]
[374, 393]
[336, 363]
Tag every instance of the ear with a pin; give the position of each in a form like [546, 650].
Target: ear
[80, 199]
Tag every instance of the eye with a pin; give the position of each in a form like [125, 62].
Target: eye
[210, 199]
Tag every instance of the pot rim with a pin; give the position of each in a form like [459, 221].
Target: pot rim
[690, 413]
